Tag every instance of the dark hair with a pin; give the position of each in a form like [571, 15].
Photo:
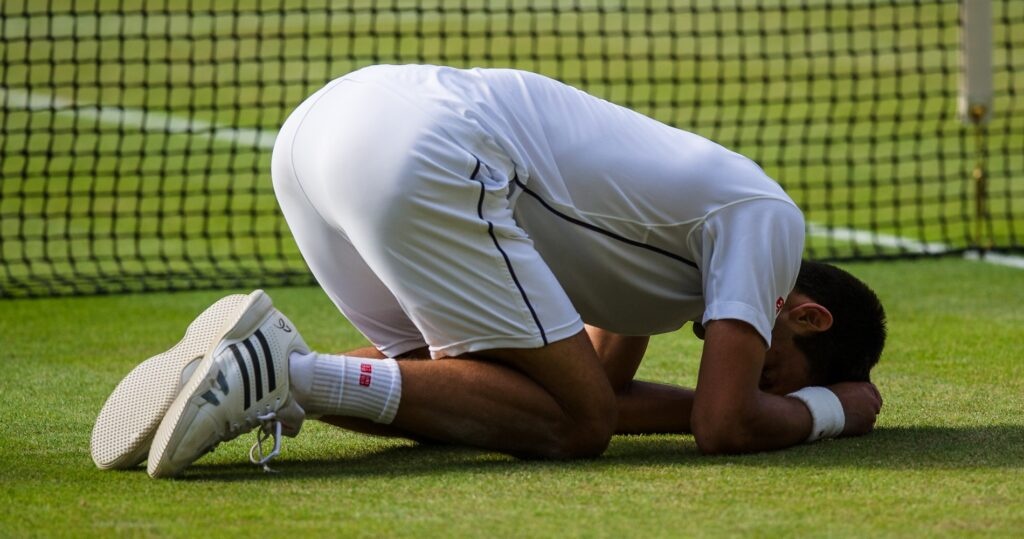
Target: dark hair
[848, 350]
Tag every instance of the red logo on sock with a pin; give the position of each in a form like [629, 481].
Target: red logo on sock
[365, 379]
[365, 367]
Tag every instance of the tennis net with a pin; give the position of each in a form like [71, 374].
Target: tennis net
[135, 134]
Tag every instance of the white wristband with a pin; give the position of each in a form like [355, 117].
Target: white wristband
[826, 411]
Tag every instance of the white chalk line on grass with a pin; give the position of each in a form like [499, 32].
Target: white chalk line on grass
[998, 259]
[143, 120]
[910, 245]
[865, 237]
[154, 121]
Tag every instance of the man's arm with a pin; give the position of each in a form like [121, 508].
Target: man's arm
[619, 354]
[644, 407]
[732, 415]
[651, 408]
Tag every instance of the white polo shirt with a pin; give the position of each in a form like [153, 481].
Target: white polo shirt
[644, 226]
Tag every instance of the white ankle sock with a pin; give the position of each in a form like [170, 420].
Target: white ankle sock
[344, 385]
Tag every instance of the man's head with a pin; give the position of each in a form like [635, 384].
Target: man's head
[831, 329]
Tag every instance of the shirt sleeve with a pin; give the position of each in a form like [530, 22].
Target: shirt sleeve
[751, 257]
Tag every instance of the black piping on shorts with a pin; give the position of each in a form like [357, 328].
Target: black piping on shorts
[508, 262]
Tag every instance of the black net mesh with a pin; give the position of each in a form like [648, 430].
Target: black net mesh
[135, 134]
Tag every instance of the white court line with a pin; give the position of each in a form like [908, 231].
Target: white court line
[997, 259]
[262, 138]
[142, 120]
[865, 237]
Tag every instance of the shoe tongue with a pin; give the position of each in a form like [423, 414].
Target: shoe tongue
[186, 373]
[291, 416]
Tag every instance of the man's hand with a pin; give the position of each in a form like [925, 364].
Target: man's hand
[861, 404]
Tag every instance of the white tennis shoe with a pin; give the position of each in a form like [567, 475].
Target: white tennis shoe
[240, 385]
[128, 420]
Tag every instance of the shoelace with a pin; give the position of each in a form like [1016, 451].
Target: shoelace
[270, 427]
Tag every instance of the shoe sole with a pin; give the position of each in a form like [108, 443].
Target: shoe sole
[183, 411]
[129, 419]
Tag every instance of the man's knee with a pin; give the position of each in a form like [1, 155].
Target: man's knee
[582, 423]
[588, 441]
[581, 438]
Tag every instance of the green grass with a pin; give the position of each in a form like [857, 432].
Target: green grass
[858, 123]
[947, 458]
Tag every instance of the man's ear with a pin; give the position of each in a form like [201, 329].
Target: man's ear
[810, 318]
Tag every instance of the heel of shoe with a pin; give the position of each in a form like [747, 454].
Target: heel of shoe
[256, 312]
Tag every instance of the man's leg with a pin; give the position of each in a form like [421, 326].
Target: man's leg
[549, 402]
[511, 400]
[642, 407]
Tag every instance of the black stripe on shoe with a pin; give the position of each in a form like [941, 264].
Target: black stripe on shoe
[222, 382]
[271, 375]
[211, 397]
[256, 369]
[246, 390]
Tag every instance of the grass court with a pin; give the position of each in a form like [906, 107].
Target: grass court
[136, 147]
[945, 459]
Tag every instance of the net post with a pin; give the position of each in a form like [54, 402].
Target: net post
[975, 103]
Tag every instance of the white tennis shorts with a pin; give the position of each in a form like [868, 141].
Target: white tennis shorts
[410, 235]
